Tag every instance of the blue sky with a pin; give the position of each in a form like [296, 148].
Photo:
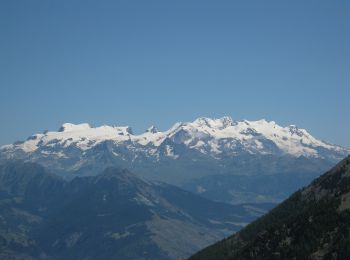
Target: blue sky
[140, 63]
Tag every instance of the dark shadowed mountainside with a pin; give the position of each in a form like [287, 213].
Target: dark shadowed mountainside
[112, 215]
[314, 223]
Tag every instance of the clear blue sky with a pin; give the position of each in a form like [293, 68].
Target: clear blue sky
[139, 63]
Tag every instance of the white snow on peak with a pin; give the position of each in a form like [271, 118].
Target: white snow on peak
[207, 135]
[68, 127]
[83, 136]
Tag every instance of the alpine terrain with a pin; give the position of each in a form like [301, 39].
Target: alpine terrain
[114, 215]
[314, 223]
[220, 159]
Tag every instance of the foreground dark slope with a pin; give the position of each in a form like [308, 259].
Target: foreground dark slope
[114, 215]
[314, 223]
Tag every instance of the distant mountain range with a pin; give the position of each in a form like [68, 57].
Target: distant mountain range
[220, 159]
[68, 195]
[114, 215]
[215, 138]
[314, 223]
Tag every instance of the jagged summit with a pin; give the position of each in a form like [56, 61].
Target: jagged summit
[223, 122]
[152, 129]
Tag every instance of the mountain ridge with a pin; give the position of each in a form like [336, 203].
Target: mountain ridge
[289, 140]
[313, 223]
[198, 156]
[113, 214]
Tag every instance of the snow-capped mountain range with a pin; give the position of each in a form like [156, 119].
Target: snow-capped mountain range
[221, 159]
[213, 137]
